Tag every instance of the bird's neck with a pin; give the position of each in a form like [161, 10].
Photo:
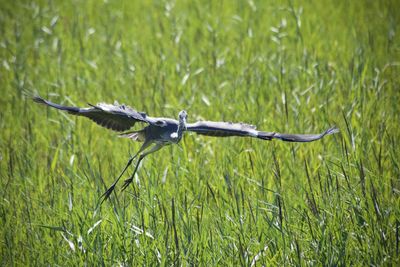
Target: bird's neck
[181, 128]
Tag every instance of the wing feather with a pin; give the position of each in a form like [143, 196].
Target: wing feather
[225, 129]
[115, 117]
[221, 129]
[296, 137]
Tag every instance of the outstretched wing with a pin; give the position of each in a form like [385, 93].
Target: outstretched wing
[114, 117]
[224, 129]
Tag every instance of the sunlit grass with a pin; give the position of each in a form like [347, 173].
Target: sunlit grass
[289, 67]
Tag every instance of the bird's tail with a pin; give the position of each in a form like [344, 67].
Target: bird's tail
[134, 135]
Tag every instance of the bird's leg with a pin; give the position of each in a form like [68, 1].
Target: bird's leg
[111, 188]
[128, 181]
[141, 157]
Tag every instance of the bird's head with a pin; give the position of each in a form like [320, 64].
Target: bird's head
[182, 115]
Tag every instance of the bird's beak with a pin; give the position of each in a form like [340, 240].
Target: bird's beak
[184, 123]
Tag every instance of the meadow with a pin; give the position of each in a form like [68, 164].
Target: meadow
[291, 66]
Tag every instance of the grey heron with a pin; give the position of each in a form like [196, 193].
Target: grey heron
[160, 132]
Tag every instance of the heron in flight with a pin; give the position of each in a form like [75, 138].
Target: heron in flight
[160, 132]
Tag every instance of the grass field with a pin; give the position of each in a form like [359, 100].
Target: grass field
[291, 66]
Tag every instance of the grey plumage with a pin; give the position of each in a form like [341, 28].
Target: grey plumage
[114, 117]
[164, 131]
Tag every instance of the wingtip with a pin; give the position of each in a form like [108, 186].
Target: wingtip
[34, 96]
[38, 99]
[332, 130]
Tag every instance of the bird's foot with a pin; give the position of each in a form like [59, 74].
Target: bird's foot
[127, 182]
[107, 194]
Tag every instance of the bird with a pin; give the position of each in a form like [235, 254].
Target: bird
[161, 132]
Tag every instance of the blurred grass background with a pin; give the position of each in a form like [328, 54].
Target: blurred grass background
[291, 66]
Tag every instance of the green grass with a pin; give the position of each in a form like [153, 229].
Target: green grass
[295, 66]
